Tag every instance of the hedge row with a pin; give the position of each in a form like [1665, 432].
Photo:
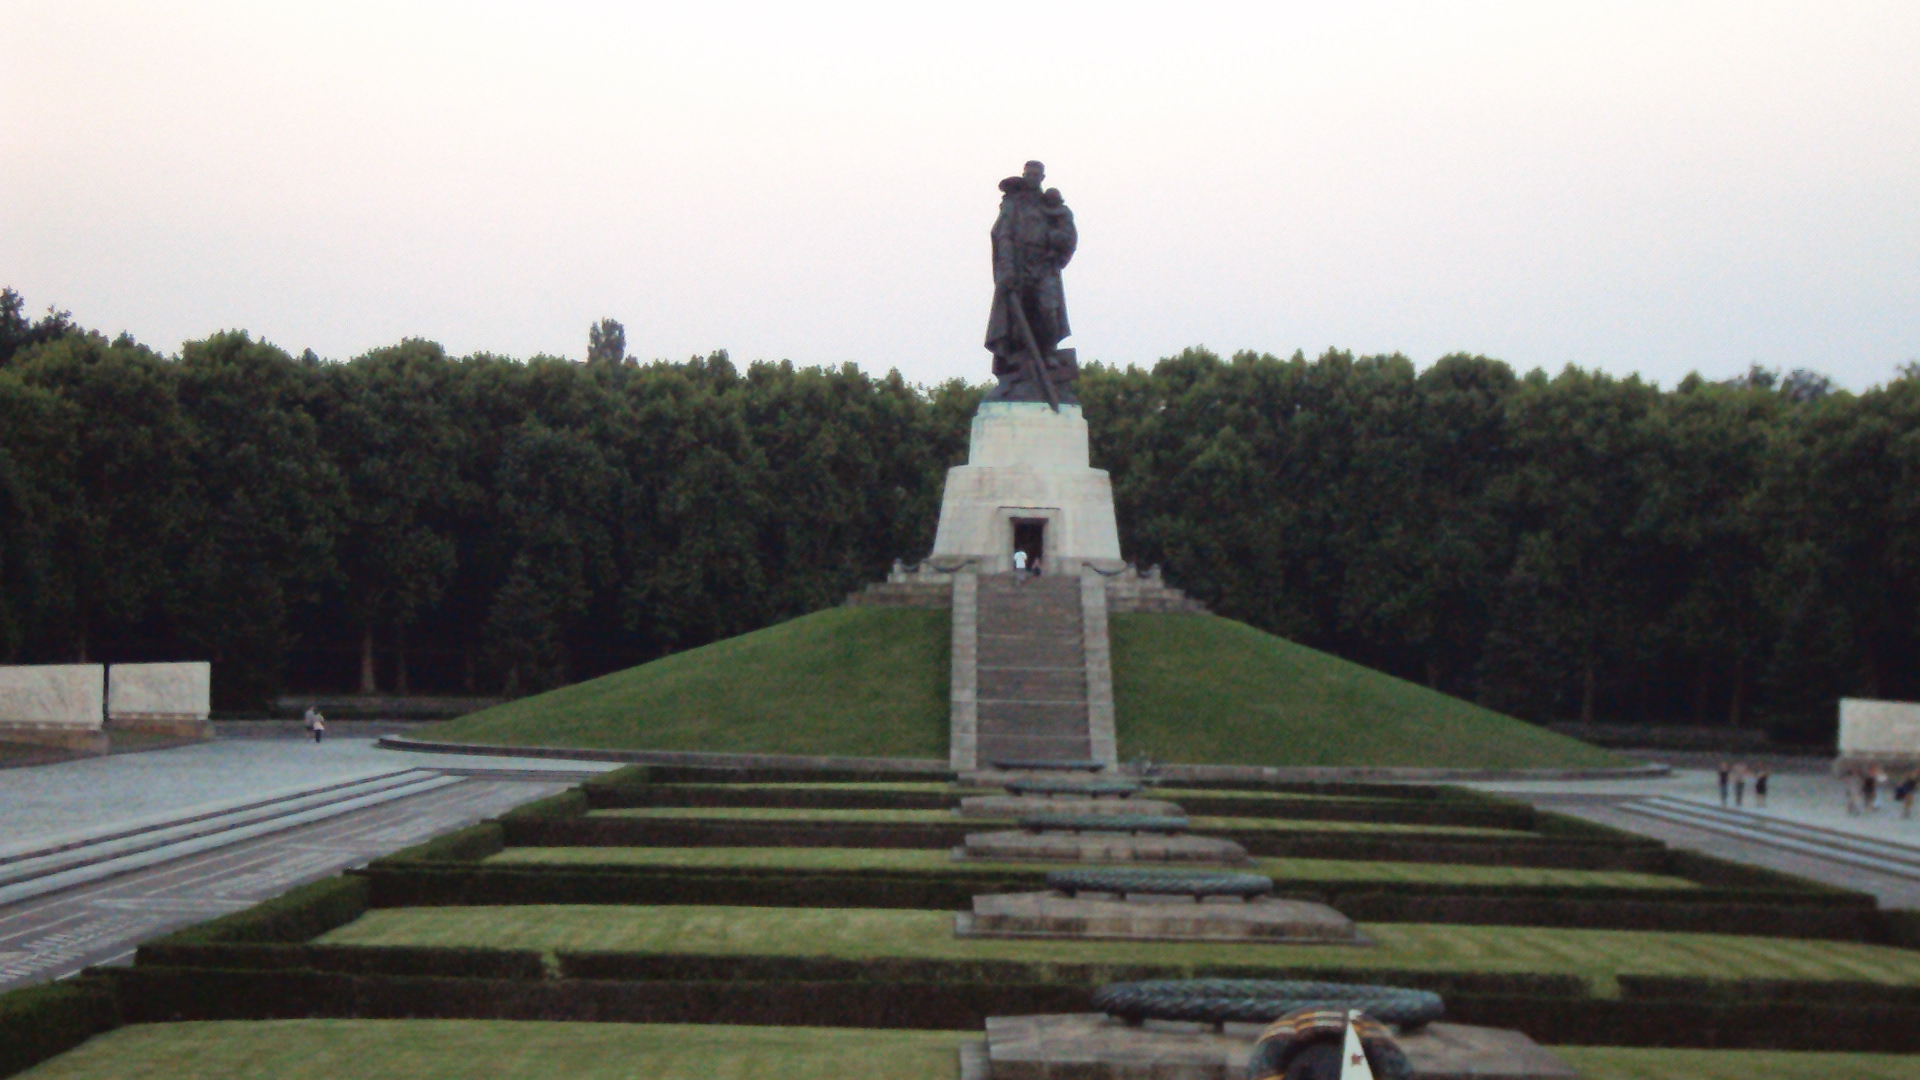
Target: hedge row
[156, 994]
[38, 1022]
[1396, 811]
[694, 967]
[1644, 856]
[152, 994]
[296, 915]
[1803, 991]
[640, 775]
[456, 885]
[461, 963]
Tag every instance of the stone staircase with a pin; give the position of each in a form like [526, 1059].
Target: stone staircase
[1031, 670]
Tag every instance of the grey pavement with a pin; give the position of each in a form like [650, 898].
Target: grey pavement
[77, 797]
[218, 826]
[51, 936]
[1804, 829]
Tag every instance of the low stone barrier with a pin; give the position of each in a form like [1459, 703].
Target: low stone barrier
[57, 705]
[161, 699]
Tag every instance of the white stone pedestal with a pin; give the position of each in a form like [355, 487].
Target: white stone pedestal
[1028, 463]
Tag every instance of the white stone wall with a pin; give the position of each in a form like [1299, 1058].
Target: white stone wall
[1871, 728]
[172, 691]
[64, 695]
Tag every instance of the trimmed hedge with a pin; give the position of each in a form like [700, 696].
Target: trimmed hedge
[694, 967]
[37, 1022]
[706, 795]
[875, 1000]
[1645, 855]
[468, 845]
[156, 994]
[297, 915]
[640, 775]
[1772, 915]
[461, 963]
[1807, 991]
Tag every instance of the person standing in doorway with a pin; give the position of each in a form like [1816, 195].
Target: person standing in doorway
[1019, 565]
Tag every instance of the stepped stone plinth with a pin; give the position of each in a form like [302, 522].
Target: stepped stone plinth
[1101, 847]
[1104, 917]
[1095, 1046]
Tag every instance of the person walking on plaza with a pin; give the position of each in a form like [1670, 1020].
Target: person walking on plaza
[1760, 789]
[1726, 772]
[1870, 788]
[316, 724]
[1903, 793]
[1740, 784]
[1856, 788]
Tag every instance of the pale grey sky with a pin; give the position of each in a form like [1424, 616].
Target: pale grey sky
[1639, 187]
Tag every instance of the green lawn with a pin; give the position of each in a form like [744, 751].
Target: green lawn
[500, 1050]
[948, 817]
[854, 933]
[921, 861]
[1618, 1063]
[1198, 688]
[507, 1050]
[846, 681]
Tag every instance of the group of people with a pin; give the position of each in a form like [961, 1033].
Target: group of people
[1864, 785]
[1734, 779]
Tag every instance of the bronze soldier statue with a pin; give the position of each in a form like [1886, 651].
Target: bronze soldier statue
[1033, 239]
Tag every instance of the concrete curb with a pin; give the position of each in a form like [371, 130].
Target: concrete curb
[933, 767]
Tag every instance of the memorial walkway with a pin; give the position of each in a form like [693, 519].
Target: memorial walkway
[1804, 829]
[100, 854]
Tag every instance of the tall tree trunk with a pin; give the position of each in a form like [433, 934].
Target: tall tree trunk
[1587, 679]
[1738, 699]
[400, 658]
[467, 677]
[1433, 672]
[367, 683]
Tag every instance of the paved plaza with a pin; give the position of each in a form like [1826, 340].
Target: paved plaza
[76, 804]
[1804, 829]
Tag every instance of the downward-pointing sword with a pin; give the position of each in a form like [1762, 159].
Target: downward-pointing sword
[1038, 364]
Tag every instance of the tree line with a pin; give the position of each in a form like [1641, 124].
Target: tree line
[1566, 546]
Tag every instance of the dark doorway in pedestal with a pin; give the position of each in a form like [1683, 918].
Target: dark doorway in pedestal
[1030, 536]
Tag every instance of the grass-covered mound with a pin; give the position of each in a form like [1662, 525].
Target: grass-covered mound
[874, 682]
[847, 682]
[1202, 689]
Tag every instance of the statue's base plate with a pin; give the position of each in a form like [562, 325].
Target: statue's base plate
[1156, 918]
[1102, 847]
[1014, 806]
[1094, 1046]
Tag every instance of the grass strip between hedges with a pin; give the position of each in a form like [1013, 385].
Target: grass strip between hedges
[1622, 1063]
[923, 861]
[497, 1050]
[858, 933]
[947, 817]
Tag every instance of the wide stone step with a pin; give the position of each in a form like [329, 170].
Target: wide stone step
[1033, 713]
[1046, 683]
[994, 651]
[1034, 748]
[1063, 729]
